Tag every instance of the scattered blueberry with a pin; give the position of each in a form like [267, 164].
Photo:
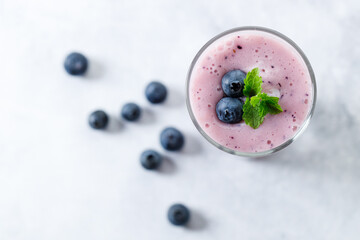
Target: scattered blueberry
[172, 139]
[98, 119]
[76, 64]
[232, 83]
[178, 214]
[131, 112]
[156, 92]
[150, 159]
[229, 110]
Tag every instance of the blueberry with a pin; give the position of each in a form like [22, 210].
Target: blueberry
[178, 214]
[172, 139]
[150, 159]
[156, 92]
[131, 112]
[98, 119]
[229, 110]
[76, 64]
[232, 83]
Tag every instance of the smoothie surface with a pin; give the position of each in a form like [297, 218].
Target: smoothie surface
[284, 74]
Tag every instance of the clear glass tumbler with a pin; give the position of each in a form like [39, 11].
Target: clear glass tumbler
[300, 129]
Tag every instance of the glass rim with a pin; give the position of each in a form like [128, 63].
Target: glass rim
[302, 127]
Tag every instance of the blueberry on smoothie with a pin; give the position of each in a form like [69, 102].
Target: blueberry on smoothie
[229, 110]
[178, 214]
[232, 83]
[76, 64]
[172, 139]
[156, 92]
[131, 112]
[98, 119]
[150, 159]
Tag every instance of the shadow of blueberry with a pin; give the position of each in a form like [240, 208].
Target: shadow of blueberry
[95, 70]
[197, 221]
[115, 125]
[167, 166]
[147, 116]
[174, 99]
[192, 145]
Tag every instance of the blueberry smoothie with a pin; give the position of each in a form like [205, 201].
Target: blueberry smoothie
[285, 72]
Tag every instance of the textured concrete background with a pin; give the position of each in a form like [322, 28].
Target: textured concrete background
[61, 180]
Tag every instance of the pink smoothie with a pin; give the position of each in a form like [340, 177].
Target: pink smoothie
[284, 73]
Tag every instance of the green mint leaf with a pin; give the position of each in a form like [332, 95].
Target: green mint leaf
[273, 107]
[255, 100]
[252, 115]
[257, 104]
[253, 83]
[256, 108]
[266, 103]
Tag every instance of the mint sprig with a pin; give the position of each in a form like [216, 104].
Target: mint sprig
[257, 104]
[266, 103]
[253, 83]
[252, 115]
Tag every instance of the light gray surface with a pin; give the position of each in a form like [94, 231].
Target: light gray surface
[61, 180]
